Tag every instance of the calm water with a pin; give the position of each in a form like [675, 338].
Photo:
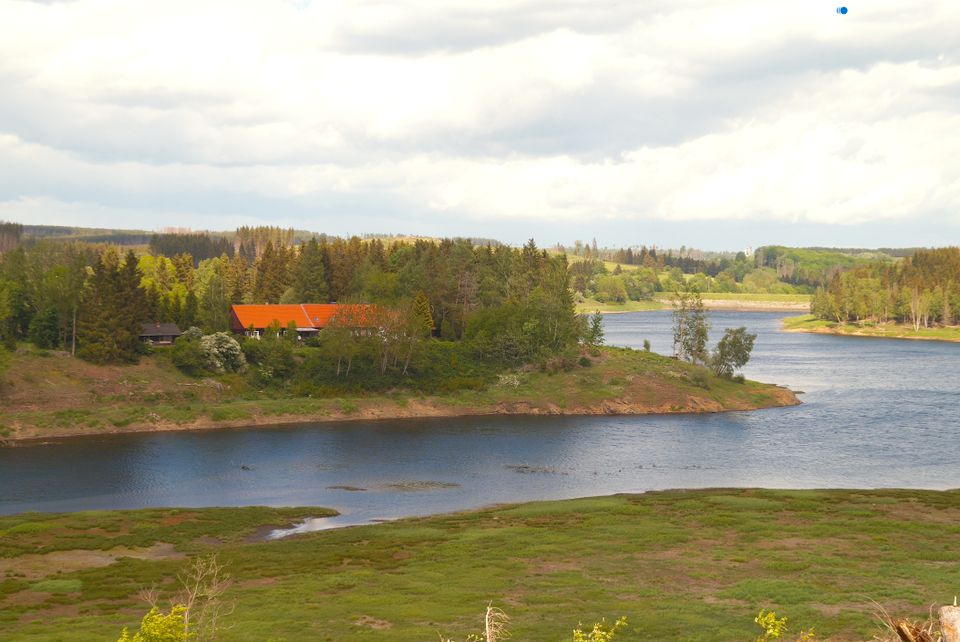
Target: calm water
[876, 413]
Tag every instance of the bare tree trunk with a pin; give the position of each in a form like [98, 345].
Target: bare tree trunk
[950, 623]
[73, 347]
[406, 363]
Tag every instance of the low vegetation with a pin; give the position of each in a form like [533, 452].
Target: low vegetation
[810, 323]
[49, 393]
[679, 565]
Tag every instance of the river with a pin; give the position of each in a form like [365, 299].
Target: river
[876, 413]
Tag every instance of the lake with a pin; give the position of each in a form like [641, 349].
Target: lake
[876, 413]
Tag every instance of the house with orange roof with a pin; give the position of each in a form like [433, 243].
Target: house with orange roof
[309, 318]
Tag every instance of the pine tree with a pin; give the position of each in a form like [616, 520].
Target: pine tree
[423, 317]
[271, 277]
[113, 310]
[189, 316]
[309, 279]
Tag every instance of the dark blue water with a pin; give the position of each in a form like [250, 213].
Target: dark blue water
[876, 413]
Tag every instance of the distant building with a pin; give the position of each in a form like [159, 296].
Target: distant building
[159, 334]
[310, 318]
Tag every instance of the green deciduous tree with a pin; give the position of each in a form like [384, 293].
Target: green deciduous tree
[690, 327]
[214, 306]
[732, 351]
[45, 328]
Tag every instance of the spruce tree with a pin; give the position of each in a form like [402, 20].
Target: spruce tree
[190, 312]
[114, 307]
[421, 313]
[271, 277]
[309, 278]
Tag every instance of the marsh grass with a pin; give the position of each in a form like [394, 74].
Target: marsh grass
[680, 565]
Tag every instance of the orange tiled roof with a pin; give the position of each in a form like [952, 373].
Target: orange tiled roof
[305, 315]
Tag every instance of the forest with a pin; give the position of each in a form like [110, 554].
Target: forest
[486, 306]
[921, 290]
[449, 310]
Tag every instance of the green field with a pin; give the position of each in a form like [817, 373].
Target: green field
[662, 301]
[810, 323]
[747, 296]
[590, 306]
[680, 565]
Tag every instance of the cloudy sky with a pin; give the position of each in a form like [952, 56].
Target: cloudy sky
[715, 123]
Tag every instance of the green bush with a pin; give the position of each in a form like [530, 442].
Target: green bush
[272, 357]
[700, 379]
[187, 355]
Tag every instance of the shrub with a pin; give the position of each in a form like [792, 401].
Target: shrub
[159, 627]
[585, 362]
[273, 358]
[187, 355]
[222, 353]
[700, 379]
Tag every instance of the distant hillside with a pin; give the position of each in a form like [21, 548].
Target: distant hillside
[87, 234]
[143, 237]
[812, 265]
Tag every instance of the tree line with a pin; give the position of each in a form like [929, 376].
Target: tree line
[921, 290]
[502, 304]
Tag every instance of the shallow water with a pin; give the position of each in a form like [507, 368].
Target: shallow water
[876, 413]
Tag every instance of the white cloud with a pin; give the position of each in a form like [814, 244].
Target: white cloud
[499, 111]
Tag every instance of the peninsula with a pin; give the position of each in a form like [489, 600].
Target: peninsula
[50, 395]
[870, 329]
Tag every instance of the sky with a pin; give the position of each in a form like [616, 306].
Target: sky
[719, 124]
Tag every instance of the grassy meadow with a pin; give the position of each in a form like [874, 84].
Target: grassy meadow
[680, 565]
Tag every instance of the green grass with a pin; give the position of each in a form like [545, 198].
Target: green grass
[588, 306]
[643, 381]
[662, 301]
[810, 323]
[681, 565]
[747, 296]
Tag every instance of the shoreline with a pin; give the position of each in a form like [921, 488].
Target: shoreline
[780, 397]
[721, 305]
[860, 333]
